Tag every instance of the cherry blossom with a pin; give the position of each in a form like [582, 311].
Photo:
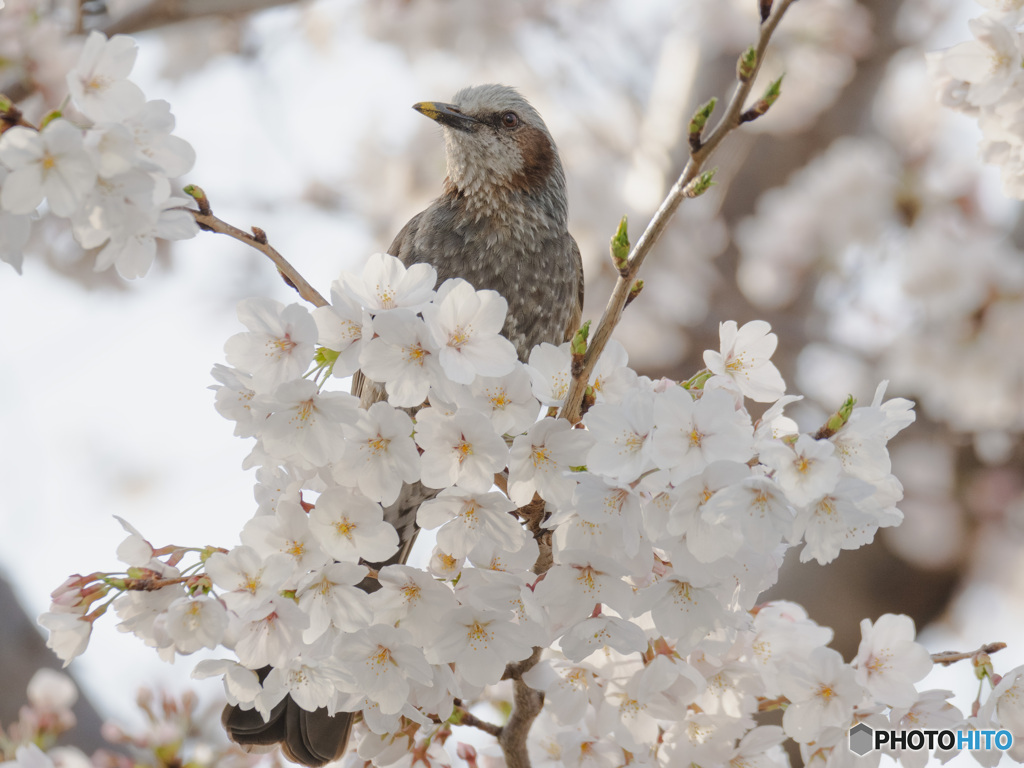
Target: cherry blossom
[50, 163]
[279, 344]
[311, 682]
[343, 327]
[269, 633]
[541, 461]
[247, 579]
[383, 660]
[466, 325]
[480, 641]
[306, 426]
[622, 437]
[694, 433]
[805, 470]
[385, 283]
[132, 250]
[286, 532]
[329, 597]
[744, 359]
[68, 634]
[411, 598]
[403, 356]
[380, 454]
[508, 400]
[822, 693]
[460, 449]
[349, 526]
[889, 661]
[196, 622]
[990, 63]
[466, 519]
[99, 83]
[549, 373]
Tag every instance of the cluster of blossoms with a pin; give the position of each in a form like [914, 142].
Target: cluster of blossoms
[668, 511]
[983, 78]
[175, 732]
[950, 323]
[110, 179]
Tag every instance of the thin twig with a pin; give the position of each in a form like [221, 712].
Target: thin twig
[949, 657]
[698, 157]
[259, 242]
[465, 717]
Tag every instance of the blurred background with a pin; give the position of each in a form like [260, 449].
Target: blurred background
[856, 217]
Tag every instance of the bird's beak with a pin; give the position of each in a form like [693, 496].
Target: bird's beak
[446, 114]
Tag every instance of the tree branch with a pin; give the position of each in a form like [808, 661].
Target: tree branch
[946, 658]
[463, 716]
[572, 409]
[258, 240]
[158, 13]
[526, 705]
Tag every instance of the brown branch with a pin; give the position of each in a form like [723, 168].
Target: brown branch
[945, 658]
[258, 240]
[526, 705]
[152, 585]
[463, 716]
[159, 13]
[769, 705]
[571, 410]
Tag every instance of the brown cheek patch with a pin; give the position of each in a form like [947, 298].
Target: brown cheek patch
[538, 159]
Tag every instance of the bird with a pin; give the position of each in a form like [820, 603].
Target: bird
[500, 223]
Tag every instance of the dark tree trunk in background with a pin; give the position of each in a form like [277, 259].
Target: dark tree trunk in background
[22, 651]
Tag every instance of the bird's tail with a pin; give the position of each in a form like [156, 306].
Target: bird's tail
[316, 738]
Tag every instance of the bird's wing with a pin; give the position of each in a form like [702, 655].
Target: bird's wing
[577, 311]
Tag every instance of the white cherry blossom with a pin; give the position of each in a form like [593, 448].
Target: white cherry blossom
[380, 454]
[51, 163]
[99, 83]
[306, 426]
[466, 518]
[889, 661]
[549, 371]
[744, 358]
[279, 344]
[350, 526]
[466, 325]
[462, 449]
[385, 283]
[822, 693]
[541, 461]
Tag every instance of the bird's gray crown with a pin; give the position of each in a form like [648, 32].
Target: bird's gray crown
[498, 156]
[489, 99]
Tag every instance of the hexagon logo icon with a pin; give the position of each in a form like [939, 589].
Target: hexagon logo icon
[861, 739]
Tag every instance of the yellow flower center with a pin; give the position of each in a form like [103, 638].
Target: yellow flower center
[540, 455]
[416, 355]
[459, 336]
[386, 296]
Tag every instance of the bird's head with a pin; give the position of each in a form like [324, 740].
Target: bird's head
[496, 143]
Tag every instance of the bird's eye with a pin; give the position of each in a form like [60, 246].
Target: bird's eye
[510, 119]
